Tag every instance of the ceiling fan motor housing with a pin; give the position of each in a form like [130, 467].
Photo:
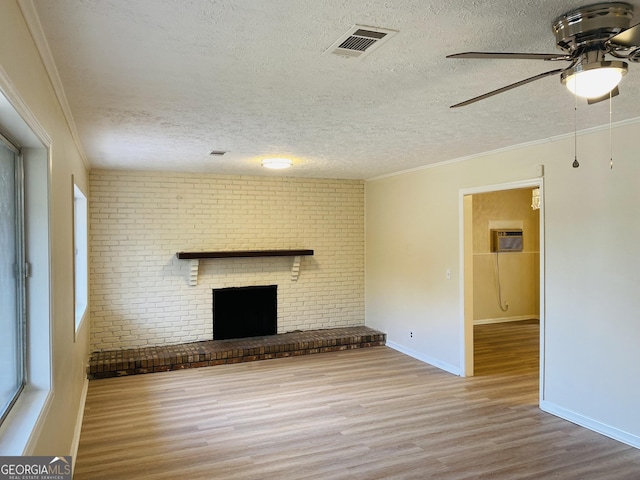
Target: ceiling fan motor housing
[587, 28]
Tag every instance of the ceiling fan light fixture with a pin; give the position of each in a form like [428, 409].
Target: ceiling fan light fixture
[276, 163]
[593, 80]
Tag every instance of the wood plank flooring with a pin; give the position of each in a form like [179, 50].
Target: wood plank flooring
[361, 414]
[507, 348]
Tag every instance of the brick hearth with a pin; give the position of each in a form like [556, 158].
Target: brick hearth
[116, 363]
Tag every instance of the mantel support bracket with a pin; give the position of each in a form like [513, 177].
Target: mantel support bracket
[295, 268]
[193, 274]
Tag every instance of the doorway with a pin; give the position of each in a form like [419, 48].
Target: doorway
[495, 290]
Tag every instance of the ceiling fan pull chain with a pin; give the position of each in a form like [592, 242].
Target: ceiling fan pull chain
[575, 163]
[610, 135]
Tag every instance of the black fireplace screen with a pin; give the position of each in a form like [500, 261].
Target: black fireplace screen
[240, 312]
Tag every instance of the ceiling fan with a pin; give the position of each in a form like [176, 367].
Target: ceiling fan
[586, 36]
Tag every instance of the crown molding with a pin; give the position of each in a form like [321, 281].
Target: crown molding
[37, 33]
[518, 146]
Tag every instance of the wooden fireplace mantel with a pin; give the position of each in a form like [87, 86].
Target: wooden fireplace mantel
[243, 253]
[195, 258]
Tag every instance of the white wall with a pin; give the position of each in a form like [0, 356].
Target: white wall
[140, 294]
[24, 75]
[592, 269]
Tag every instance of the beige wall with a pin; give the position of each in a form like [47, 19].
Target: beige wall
[519, 271]
[591, 270]
[29, 87]
[140, 293]
[592, 265]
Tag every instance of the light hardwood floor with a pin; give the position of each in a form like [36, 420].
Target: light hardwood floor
[363, 414]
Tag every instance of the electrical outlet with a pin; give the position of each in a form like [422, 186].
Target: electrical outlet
[410, 334]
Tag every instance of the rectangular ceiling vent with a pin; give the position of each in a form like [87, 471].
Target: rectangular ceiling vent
[360, 41]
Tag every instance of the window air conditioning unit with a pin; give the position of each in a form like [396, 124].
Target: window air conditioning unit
[506, 240]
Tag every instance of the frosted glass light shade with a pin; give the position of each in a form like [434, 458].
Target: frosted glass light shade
[276, 163]
[594, 80]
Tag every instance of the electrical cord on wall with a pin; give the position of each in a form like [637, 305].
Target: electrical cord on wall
[499, 286]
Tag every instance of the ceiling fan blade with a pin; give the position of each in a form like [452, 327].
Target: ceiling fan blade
[508, 87]
[512, 56]
[615, 92]
[629, 38]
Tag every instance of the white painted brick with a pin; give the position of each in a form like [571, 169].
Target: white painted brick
[140, 293]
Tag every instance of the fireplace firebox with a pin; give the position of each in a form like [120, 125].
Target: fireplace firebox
[240, 312]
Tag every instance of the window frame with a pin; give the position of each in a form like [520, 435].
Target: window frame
[20, 428]
[80, 249]
[20, 274]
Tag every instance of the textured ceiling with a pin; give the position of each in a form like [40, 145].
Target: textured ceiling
[158, 84]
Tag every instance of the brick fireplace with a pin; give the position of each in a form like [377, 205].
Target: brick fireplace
[142, 294]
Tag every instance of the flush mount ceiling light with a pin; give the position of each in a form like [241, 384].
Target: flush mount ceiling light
[593, 80]
[276, 163]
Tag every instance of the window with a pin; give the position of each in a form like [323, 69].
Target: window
[25, 301]
[12, 285]
[80, 254]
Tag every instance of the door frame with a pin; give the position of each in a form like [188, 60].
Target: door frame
[466, 288]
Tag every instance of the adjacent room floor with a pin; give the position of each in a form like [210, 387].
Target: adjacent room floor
[372, 413]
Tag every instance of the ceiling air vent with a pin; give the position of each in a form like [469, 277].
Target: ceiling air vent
[360, 41]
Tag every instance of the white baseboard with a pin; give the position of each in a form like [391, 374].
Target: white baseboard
[424, 358]
[591, 424]
[517, 318]
[76, 433]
